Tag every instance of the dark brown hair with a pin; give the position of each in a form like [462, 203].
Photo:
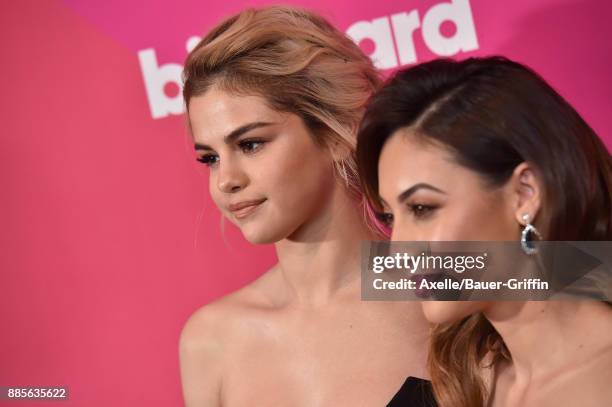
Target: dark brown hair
[492, 114]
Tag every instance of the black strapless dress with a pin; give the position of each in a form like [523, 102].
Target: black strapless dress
[414, 392]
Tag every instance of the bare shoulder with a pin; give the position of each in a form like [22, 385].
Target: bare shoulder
[207, 339]
[201, 353]
[210, 326]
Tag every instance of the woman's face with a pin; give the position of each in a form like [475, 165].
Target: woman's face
[267, 175]
[432, 198]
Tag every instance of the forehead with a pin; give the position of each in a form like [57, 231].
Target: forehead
[406, 160]
[216, 113]
[406, 152]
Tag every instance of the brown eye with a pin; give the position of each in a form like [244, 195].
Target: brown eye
[421, 211]
[386, 219]
[209, 160]
[251, 146]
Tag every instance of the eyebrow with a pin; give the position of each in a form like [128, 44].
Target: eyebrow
[406, 194]
[421, 185]
[230, 138]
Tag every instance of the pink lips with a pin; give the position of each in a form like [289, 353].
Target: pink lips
[243, 209]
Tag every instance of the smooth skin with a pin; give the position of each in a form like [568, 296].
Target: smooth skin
[561, 350]
[299, 335]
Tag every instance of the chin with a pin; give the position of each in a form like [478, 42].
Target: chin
[440, 312]
[258, 239]
[258, 234]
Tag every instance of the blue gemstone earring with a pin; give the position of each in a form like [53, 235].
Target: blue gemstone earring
[527, 236]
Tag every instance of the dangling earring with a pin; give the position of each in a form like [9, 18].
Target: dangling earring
[527, 236]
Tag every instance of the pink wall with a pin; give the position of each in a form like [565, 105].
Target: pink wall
[109, 239]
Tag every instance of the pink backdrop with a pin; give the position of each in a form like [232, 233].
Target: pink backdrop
[109, 239]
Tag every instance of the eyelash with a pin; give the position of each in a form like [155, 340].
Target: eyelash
[207, 159]
[250, 142]
[250, 146]
[419, 211]
[386, 219]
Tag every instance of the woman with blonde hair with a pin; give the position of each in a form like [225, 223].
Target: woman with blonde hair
[274, 97]
[485, 150]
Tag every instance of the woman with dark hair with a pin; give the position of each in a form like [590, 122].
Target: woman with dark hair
[484, 149]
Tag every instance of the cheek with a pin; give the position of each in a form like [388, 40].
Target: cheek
[490, 220]
[298, 180]
[481, 218]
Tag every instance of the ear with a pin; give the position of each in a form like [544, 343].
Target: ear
[526, 192]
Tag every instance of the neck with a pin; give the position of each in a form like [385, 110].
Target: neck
[546, 336]
[322, 258]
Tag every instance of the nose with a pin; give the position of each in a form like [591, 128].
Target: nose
[231, 178]
[409, 233]
[401, 233]
[396, 234]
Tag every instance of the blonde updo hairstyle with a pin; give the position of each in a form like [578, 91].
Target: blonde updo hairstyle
[298, 63]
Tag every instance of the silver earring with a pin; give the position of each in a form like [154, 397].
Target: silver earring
[527, 236]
